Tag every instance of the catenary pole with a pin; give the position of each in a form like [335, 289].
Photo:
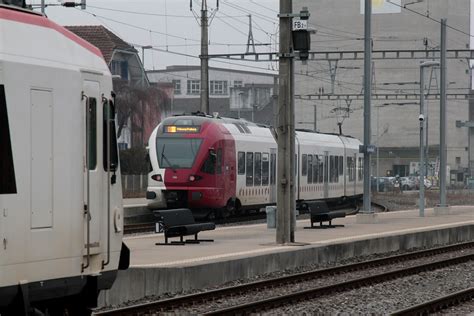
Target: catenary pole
[367, 102]
[204, 58]
[285, 128]
[442, 118]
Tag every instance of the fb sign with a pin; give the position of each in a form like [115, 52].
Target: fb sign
[300, 25]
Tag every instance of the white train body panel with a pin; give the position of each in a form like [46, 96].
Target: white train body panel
[44, 70]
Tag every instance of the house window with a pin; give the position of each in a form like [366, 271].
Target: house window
[458, 160]
[119, 68]
[238, 84]
[218, 87]
[194, 87]
[177, 86]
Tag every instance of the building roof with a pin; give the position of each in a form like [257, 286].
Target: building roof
[102, 38]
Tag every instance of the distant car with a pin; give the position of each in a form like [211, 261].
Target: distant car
[408, 183]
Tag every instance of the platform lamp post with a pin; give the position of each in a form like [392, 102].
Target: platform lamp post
[421, 119]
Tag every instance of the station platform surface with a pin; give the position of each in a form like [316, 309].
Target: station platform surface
[245, 251]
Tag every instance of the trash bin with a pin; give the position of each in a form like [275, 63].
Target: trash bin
[271, 216]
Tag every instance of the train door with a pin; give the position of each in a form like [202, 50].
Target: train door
[326, 174]
[93, 175]
[273, 169]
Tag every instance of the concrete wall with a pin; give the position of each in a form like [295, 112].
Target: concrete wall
[137, 283]
[340, 26]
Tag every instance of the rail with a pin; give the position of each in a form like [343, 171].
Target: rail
[189, 300]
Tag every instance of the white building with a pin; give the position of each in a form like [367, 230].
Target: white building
[232, 93]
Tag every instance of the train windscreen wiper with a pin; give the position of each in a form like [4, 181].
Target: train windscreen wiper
[166, 158]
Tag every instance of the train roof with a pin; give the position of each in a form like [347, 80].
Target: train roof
[31, 38]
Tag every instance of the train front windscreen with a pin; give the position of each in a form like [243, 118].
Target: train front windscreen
[177, 153]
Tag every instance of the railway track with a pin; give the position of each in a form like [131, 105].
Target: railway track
[437, 304]
[178, 303]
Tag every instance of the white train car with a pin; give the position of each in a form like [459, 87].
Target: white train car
[60, 192]
[219, 166]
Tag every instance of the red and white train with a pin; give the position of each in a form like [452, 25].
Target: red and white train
[61, 213]
[220, 166]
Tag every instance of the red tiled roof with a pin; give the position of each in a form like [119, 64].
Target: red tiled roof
[102, 38]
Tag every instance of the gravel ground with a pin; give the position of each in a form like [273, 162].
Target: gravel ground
[409, 199]
[389, 296]
[463, 309]
[262, 294]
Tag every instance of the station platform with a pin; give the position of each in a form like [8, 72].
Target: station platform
[242, 252]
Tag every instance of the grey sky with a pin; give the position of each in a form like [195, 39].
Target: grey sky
[156, 18]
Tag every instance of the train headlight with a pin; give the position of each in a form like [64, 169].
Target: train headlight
[157, 177]
[193, 178]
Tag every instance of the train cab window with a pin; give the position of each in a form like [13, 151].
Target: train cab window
[249, 169]
[304, 165]
[265, 168]
[209, 165]
[273, 169]
[315, 169]
[109, 119]
[258, 169]
[219, 161]
[241, 162]
[92, 133]
[7, 170]
[310, 168]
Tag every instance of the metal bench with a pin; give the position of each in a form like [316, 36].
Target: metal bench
[180, 223]
[319, 212]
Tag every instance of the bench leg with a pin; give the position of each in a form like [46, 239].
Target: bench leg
[172, 243]
[197, 241]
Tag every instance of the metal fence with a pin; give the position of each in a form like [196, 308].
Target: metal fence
[134, 185]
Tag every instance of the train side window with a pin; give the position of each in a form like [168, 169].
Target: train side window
[109, 118]
[321, 170]
[349, 168]
[219, 160]
[341, 165]
[273, 169]
[361, 168]
[241, 162]
[258, 169]
[310, 168]
[326, 166]
[265, 170]
[92, 133]
[315, 169]
[304, 167]
[7, 170]
[249, 167]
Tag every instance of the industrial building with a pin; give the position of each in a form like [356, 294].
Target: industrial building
[329, 91]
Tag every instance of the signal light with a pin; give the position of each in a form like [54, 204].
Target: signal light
[157, 177]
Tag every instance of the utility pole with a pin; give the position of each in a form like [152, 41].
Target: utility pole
[204, 22]
[250, 40]
[285, 129]
[442, 208]
[43, 7]
[367, 215]
[204, 58]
